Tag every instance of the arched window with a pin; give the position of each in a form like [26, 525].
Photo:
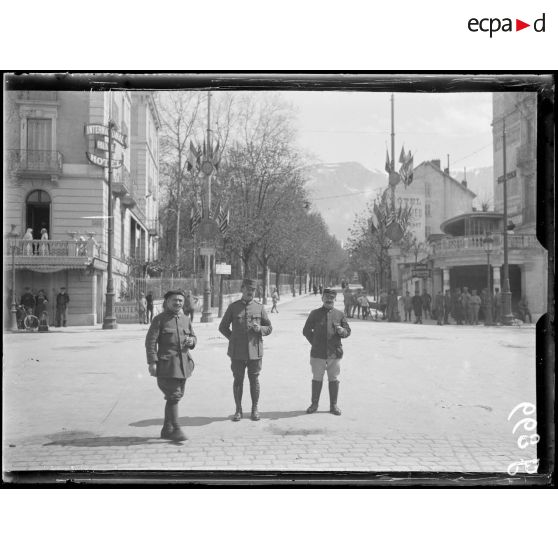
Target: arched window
[37, 216]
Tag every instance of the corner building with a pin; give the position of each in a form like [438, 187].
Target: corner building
[50, 184]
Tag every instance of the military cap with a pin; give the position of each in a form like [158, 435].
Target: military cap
[250, 283]
[330, 292]
[175, 292]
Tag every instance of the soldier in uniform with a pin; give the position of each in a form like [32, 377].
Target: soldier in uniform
[324, 329]
[167, 344]
[249, 322]
[62, 301]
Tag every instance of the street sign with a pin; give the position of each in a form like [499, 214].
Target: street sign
[511, 174]
[222, 269]
[103, 161]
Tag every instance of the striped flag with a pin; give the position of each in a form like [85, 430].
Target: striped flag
[223, 221]
[193, 159]
[388, 164]
[195, 218]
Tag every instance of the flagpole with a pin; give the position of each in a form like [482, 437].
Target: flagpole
[392, 149]
[206, 311]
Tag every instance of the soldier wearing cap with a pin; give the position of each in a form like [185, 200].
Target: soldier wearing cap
[167, 344]
[244, 324]
[324, 329]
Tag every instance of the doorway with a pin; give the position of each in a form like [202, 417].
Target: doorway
[38, 212]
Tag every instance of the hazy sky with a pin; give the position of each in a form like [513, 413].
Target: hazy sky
[355, 126]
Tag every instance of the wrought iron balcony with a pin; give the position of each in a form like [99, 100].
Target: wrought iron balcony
[121, 181]
[27, 162]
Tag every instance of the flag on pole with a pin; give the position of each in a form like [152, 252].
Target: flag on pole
[388, 164]
[195, 218]
[406, 170]
[402, 157]
[192, 159]
[216, 157]
[223, 222]
[374, 220]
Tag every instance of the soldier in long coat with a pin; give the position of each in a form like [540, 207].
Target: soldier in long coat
[324, 329]
[167, 344]
[244, 324]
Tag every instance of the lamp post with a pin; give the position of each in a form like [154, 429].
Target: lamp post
[487, 243]
[109, 320]
[12, 238]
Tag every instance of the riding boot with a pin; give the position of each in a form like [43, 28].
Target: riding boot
[177, 434]
[333, 393]
[316, 390]
[167, 430]
[237, 393]
[255, 395]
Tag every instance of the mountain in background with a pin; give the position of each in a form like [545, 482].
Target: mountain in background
[341, 191]
[481, 182]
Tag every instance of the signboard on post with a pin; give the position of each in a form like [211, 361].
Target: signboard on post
[509, 175]
[103, 161]
[207, 251]
[222, 269]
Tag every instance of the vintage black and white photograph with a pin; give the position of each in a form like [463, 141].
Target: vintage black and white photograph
[203, 275]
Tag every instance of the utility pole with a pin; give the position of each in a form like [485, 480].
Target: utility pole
[507, 316]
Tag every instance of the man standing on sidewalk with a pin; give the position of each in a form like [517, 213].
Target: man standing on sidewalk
[249, 323]
[324, 329]
[62, 301]
[167, 344]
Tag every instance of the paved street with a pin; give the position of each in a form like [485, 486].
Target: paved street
[414, 398]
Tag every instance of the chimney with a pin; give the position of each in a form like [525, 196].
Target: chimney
[464, 182]
[436, 162]
[446, 170]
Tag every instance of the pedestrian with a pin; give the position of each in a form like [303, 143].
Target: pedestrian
[149, 300]
[315, 289]
[486, 303]
[408, 306]
[524, 312]
[43, 245]
[497, 306]
[457, 307]
[447, 306]
[249, 323]
[274, 300]
[142, 308]
[439, 307]
[355, 306]
[426, 302]
[28, 243]
[383, 304]
[347, 300]
[324, 329]
[167, 345]
[189, 305]
[364, 305]
[392, 307]
[321, 289]
[62, 301]
[28, 301]
[41, 304]
[466, 302]
[474, 304]
[417, 308]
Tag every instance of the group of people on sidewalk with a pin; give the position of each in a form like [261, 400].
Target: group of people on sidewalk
[171, 337]
[462, 305]
[36, 303]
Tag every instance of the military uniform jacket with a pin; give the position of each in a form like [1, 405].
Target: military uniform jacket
[244, 343]
[319, 329]
[165, 345]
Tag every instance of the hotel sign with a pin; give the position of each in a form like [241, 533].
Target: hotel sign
[103, 161]
[101, 130]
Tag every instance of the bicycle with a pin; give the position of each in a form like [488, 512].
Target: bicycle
[30, 322]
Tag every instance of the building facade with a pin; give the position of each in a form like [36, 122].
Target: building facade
[463, 257]
[51, 185]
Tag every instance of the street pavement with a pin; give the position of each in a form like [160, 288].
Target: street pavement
[413, 397]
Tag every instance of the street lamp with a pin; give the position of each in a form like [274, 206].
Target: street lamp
[12, 238]
[507, 316]
[488, 243]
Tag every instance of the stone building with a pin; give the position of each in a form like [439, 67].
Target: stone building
[51, 184]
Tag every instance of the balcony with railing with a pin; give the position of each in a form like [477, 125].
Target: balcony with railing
[41, 254]
[38, 163]
[474, 244]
